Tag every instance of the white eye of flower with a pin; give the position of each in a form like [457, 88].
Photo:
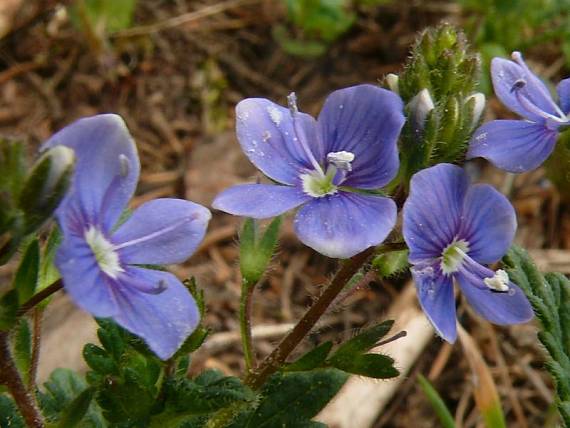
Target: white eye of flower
[498, 282]
[453, 256]
[104, 251]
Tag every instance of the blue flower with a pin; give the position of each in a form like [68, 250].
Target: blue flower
[324, 166]
[453, 230]
[100, 260]
[521, 145]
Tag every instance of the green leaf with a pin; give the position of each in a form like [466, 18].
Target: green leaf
[48, 273]
[74, 413]
[438, 405]
[8, 309]
[292, 399]
[22, 352]
[107, 15]
[63, 398]
[313, 359]
[99, 360]
[360, 343]
[26, 278]
[376, 366]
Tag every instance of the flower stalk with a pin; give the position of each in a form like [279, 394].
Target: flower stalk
[245, 305]
[275, 360]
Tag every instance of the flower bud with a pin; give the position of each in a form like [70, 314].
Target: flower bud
[46, 185]
[392, 82]
[419, 107]
[478, 106]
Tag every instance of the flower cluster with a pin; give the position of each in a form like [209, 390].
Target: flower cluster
[333, 170]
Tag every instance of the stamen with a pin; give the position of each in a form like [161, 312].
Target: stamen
[125, 166]
[342, 160]
[532, 108]
[499, 282]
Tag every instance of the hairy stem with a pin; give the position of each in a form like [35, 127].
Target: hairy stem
[10, 377]
[37, 317]
[275, 360]
[38, 297]
[245, 304]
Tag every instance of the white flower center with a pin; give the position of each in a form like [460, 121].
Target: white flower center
[105, 254]
[453, 256]
[318, 184]
[498, 282]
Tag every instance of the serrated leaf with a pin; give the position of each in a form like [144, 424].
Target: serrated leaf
[77, 409]
[360, 343]
[26, 278]
[99, 360]
[313, 359]
[292, 399]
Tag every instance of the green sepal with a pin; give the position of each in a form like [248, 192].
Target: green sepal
[8, 309]
[22, 348]
[26, 278]
[313, 359]
[48, 273]
[255, 251]
[99, 360]
[391, 264]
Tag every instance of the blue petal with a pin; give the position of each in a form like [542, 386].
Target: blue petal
[106, 172]
[513, 145]
[268, 137]
[432, 212]
[488, 223]
[563, 90]
[162, 231]
[505, 73]
[165, 320]
[259, 200]
[83, 280]
[366, 121]
[435, 293]
[345, 224]
[511, 307]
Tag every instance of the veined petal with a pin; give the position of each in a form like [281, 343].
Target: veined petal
[259, 200]
[164, 320]
[162, 231]
[366, 121]
[513, 145]
[269, 139]
[83, 279]
[509, 307]
[435, 293]
[432, 212]
[505, 74]
[106, 170]
[563, 90]
[488, 223]
[344, 224]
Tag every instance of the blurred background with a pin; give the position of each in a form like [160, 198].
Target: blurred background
[174, 70]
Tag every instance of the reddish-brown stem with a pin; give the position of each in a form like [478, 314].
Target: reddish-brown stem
[256, 378]
[10, 377]
[38, 297]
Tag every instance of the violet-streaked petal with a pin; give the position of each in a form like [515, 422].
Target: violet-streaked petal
[505, 74]
[83, 280]
[259, 200]
[106, 170]
[344, 224]
[164, 320]
[513, 145]
[563, 90]
[268, 137]
[435, 293]
[509, 307]
[432, 212]
[162, 231]
[364, 120]
[488, 223]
